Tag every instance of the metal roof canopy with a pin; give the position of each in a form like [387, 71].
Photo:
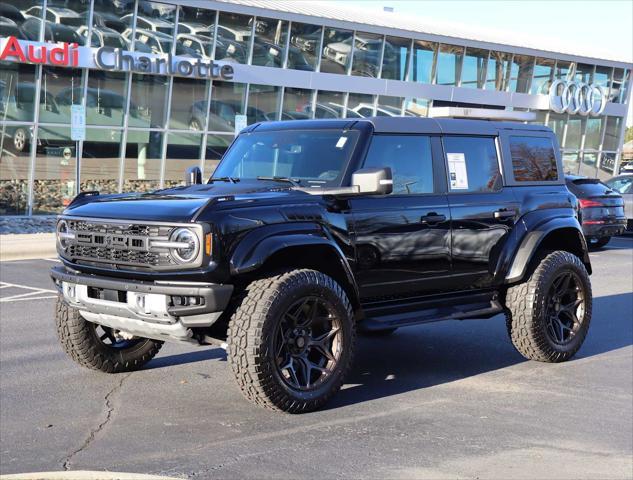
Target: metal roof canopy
[393, 23]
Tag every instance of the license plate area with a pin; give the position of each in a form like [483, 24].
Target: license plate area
[119, 296]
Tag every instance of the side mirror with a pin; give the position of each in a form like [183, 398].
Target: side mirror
[193, 176]
[376, 181]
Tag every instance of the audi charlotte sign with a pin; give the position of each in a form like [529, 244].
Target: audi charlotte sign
[108, 58]
[574, 97]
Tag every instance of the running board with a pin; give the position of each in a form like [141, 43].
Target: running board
[383, 317]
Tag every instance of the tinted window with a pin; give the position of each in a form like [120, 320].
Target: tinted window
[316, 158]
[409, 158]
[472, 164]
[533, 159]
[587, 187]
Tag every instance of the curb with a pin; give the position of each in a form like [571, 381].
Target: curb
[27, 246]
[83, 475]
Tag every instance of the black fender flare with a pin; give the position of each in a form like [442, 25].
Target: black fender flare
[534, 229]
[260, 244]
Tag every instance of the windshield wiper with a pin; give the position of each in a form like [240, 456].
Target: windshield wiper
[224, 179]
[293, 181]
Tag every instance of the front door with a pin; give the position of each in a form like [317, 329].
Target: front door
[483, 212]
[403, 239]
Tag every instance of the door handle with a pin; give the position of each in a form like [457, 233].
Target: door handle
[432, 217]
[504, 213]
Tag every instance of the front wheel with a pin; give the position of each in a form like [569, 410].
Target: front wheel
[101, 348]
[291, 340]
[549, 314]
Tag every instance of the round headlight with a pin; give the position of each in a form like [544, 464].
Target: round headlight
[62, 234]
[187, 253]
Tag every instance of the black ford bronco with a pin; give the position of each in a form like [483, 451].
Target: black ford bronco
[309, 231]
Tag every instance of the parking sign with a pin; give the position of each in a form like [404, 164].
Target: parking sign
[77, 122]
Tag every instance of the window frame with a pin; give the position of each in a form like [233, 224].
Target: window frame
[500, 164]
[437, 163]
[504, 137]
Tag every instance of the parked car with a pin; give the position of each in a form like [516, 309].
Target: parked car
[235, 33]
[155, 9]
[12, 13]
[53, 32]
[64, 16]
[195, 28]
[194, 45]
[110, 20]
[148, 41]
[222, 115]
[623, 184]
[149, 24]
[601, 209]
[104, 37]
[306, 233]
[8, 28]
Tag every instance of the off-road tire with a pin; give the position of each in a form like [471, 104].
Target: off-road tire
[252, 327]
[526, 303]
[80, 341]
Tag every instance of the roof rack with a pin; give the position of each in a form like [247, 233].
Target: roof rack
[481, 114]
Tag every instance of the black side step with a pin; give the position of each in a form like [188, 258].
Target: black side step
[383, 316]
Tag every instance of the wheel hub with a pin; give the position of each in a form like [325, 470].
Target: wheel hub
[565, 308]
[308, 343]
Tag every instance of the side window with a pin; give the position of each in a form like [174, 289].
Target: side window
[533, 159]
[410, 160]
[472, 164]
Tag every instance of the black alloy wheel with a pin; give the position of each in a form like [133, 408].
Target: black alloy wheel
[565, 308]
[308, 343]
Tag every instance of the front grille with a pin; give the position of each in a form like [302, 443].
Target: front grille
[111, 244]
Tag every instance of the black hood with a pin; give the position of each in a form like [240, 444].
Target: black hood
[180, 204]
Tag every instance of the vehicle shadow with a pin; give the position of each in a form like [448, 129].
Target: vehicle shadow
[433, 354]
[200, 355]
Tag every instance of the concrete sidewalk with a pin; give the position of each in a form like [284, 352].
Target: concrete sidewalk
[27, 246]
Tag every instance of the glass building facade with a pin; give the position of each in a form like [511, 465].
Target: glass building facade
[144, 129]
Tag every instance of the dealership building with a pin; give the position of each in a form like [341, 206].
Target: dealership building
[167, 85]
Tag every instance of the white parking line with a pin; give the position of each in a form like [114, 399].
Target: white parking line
[34, 293]
[8, 300]
[26, 287]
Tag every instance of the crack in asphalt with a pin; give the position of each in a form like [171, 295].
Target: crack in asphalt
[109, 412]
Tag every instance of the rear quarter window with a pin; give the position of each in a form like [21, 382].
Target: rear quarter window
[533, 159]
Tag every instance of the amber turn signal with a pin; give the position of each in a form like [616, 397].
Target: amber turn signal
[207, 244]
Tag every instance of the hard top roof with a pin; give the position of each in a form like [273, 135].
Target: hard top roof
[385, 124]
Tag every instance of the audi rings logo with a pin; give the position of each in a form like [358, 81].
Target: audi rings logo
[577, 97]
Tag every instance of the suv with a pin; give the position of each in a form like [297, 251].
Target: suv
[309, 231]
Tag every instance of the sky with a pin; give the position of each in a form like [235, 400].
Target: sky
[604, 25]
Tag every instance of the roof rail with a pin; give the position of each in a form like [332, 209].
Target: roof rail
[481, 114]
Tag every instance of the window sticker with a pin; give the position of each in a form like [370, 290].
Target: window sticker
[457, 171]
[341, 142]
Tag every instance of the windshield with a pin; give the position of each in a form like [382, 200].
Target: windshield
[315, 158]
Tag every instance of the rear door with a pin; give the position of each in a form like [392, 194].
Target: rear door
[403, 239]
[482, 211]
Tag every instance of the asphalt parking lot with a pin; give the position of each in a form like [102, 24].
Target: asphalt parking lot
[445, 400]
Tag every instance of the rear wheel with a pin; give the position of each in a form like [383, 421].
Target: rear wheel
[549, 314]
[291, 340]
[20, 139]
[98, 347]
[599, 242]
